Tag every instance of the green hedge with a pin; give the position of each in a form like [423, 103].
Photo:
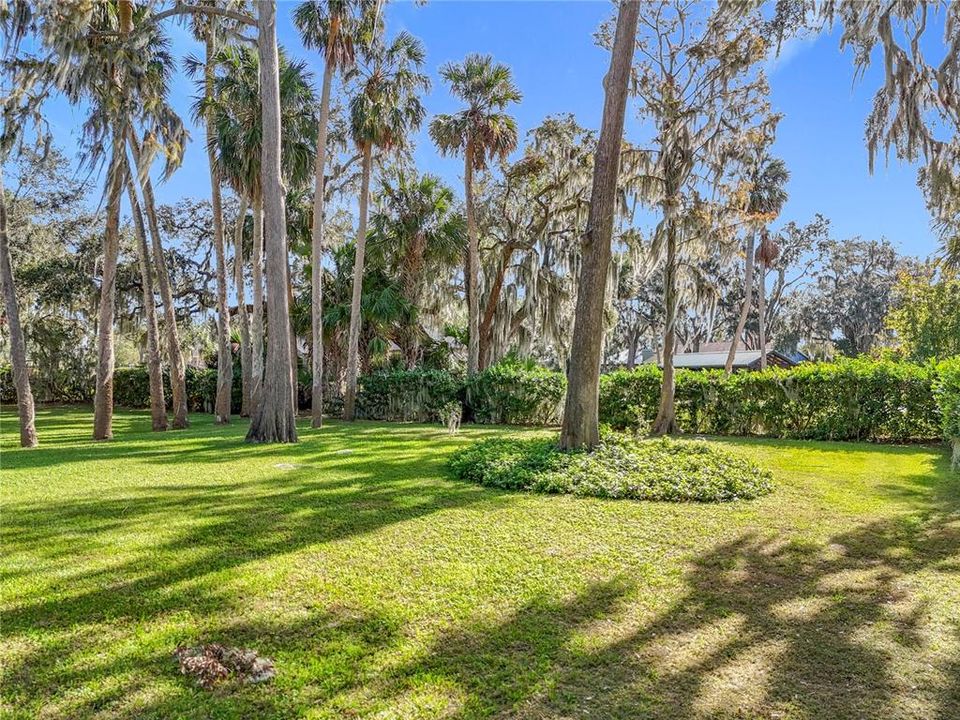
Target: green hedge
[947, 390]
[131, 388]
[406, 395]
[846, 400]
[512, 393]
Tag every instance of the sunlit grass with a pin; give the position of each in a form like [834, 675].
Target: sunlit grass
[383, 588]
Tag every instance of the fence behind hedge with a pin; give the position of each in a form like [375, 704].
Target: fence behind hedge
[847, 400]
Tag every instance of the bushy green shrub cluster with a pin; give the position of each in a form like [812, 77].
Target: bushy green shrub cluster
[515, 393]
[947, 389]
[406, 395]
[621, 467]
[131, 388]
[847, 400]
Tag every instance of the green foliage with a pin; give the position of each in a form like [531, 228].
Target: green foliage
[947, 391]
[516, 393]
[406, 395]
[131, 388]
[848, 400]
[620, 467]
[926, 319]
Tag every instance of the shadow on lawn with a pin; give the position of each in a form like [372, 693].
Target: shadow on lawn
[764, 627]
[765, 630]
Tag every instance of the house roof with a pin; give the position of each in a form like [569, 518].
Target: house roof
[742, 359]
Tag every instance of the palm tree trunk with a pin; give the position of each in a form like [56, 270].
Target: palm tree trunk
[178, 377]
[747, 300]
[666, 420]
[353, 339]
[316, 251]
[473, 267]
[243, 316]
[256, 324]
[158, 405]
[224, 355]
[762, 312]
[274, 419]
[18, 346]
[103, 398]
[581, 427]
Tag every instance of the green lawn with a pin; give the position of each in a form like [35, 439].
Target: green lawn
[383, 589]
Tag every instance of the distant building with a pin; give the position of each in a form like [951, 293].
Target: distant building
[742, 360]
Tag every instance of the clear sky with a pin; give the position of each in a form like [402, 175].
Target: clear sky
[549, 46]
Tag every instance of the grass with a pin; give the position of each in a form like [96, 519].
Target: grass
[384, 589]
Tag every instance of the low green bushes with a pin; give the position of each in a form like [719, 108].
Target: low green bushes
[131, 388]
[947, 389]
[845, 400]
[621, 467]
[406, 395]
[515, 393]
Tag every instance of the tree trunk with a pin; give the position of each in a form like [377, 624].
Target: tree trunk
[316, 249]
[632, 341]
[580, 415]
[490, 309]
[224, 354]
[274, 419]
[353, 346]
[243, 317]
[473, 267]
[666, 420]
[178, 379]
[18, 346]
[103, 398]
[158, 405]
[747, 300]
[762, 312]
[256, 324]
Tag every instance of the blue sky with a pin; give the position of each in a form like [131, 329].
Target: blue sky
[549, 46]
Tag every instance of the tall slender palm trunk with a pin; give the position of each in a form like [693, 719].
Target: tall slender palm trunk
[256, 321]
[353, 346]
[274, 419]
[18, 346]
[666, 420]
[158, 405]
[224, 353]
[473, 266]
[762, 313]
[747, 300]
[316, 250]
[178, 375]
[581, 428]
[243, 317]
[103, 397]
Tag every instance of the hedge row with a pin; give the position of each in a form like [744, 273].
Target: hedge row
[947, 390]
[846, 400]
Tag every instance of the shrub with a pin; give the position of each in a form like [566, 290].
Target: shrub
[620, 467]
[406, 395]
[131, 388]
[515, 393]
[947, 390]
[846, 400]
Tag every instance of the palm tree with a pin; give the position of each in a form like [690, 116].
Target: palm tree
[237, 145]
[18, 347]
[481, 132]
[581, 428]
[767, 254]
[768, 177]
[158, 406]
[275, 418]
[417, 236]
[328, 26]
[385, 108]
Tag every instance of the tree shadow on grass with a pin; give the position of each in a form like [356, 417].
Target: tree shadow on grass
[765, 629]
